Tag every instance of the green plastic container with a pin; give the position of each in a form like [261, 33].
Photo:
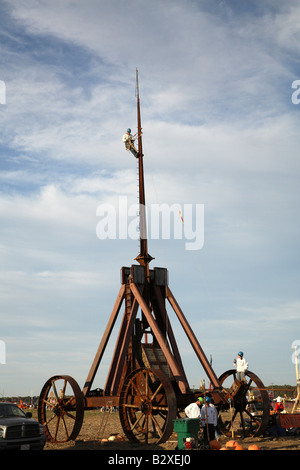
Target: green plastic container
[187, 427]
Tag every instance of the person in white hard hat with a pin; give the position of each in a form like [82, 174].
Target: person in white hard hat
[279, 405]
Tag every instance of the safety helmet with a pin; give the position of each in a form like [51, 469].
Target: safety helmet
[240, 353]
[201, 400]
[207, 399]
[129, 130]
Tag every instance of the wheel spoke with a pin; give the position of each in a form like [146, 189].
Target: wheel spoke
[64, 389]
[129, 405]
[57, 427]
[137, 421]
[156, 392]
[136, 388]
[54, 389]
[66, 403]
[65, 427]
[46, 402]
[147, 383]
[157, 426]
[67, 413]
[146, 430]
[50, 419]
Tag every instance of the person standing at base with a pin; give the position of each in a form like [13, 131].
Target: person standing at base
[241, 366]
[209, 420]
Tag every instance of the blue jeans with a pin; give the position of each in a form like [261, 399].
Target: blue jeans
[240, 375]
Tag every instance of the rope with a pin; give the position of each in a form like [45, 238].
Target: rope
[104, 422]
[157, 202]
[162, 244]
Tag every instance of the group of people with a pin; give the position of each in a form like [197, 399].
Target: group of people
[204, 409]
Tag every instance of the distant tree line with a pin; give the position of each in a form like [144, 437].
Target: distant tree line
[290, 391]
[24, 400]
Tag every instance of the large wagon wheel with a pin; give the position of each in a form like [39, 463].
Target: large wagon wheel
[248, 413]
[147, 406]
[61, 408]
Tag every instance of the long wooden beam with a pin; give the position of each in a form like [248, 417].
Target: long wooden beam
[169, 330]
[193, 340]
[113, 365]
[159, 337]
[104, 341]
[125, 340]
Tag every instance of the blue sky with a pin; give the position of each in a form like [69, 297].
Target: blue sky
[220, 129]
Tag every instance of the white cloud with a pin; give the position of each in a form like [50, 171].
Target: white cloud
[286, 27]
[189, 54]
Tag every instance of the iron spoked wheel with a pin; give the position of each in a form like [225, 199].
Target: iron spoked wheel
[147, 406]
[61, 408]
[249, 410]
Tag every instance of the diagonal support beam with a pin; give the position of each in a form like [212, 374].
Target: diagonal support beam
[169, 330]
[123, 349]
[193, 340]
[159, 337]
[104, 341]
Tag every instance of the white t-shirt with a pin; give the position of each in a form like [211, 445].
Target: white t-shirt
[241, 365]
[192, 411]
[127, 137]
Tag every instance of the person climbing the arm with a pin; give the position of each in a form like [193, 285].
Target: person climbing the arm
[128, 140]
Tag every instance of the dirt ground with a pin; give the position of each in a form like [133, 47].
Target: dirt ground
[98, 425]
